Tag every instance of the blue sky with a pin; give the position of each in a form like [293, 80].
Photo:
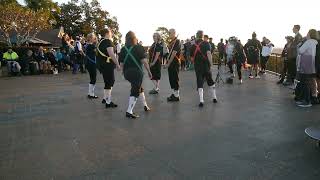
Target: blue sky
[219, 19]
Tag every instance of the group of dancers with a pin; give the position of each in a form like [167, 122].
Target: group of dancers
[131, 60]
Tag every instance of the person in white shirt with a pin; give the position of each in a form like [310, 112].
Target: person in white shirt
[267, 47]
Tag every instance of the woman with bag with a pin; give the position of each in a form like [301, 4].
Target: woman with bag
[132, 58]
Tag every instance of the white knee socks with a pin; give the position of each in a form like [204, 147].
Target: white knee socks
[143, 99]
[91, 89]
[176, 93]
[200, 91]
[213, 92]
[107, 95]
[132, 103]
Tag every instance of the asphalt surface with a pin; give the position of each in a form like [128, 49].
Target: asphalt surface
[49, 130]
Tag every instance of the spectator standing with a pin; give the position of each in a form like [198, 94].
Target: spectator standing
[267, 47]
[292, 70]
[286, 55]
[306, 69]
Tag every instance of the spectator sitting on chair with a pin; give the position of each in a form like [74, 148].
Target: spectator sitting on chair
[42, 59]
[24, 62]
[10, 58]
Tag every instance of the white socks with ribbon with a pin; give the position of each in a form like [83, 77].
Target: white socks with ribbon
[132, 103]
[143, 99]
[213, 91]
[91, 89]
[107, 95]
[200, 91]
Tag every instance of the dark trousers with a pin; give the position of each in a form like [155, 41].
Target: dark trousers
[202, 76]
[108, 77]
[284, 70]
[292, 69]
[173, 72]
[92, 72]
[239, 65]
[135, 77]
[264, 61]
[306, 84]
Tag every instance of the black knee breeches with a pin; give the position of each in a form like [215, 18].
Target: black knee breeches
[135, 77]
[92, 72]
[173, 71]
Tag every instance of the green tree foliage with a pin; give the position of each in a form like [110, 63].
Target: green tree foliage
[83, 18]
[21, 22]
[7, 2]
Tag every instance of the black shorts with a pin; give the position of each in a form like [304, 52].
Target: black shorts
[156, 71]
[253, 60]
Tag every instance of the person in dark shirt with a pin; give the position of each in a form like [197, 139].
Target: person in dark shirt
[292, 67]
[155, 56]
[202, 58]
[221, 50]
[285, 55]
[240, 57]
[133, 57]
[187, 55]
[106, 63]
[253, 49]
[90, 56]
[173, 65]
[212, 45]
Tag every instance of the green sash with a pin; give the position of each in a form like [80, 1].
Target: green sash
[132, 57]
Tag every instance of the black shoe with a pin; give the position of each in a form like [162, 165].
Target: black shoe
[201, 105]
[103, 101]
[93, 97]
[172, 98]
[146, 108]
[314, 100]
[111, 105]
[132, 116]
[215, 101]
[280, 81]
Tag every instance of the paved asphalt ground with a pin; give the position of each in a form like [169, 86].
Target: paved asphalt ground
[49, 130]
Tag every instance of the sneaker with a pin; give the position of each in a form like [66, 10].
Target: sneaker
[154, 91]
[92, 97]
[111, 105]
[201, 105]
[215, 101]
[250, 76]
[104, 101]
[172, 98]
[241, 81]
[257, 77]
[305, 105]
[132, 116]
[146, 108]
